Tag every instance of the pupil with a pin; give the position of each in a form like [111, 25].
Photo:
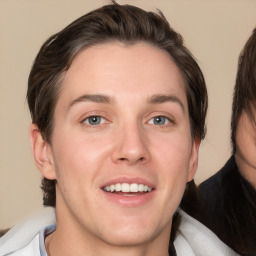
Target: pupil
[94, 120]
[159, 120]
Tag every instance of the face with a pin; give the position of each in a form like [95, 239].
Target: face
[121, 148]
[246, 148]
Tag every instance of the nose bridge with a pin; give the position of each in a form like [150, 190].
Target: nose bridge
[132, 144]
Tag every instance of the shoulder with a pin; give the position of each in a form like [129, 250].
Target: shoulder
[31, 249]
[193, 238]
[24, 236]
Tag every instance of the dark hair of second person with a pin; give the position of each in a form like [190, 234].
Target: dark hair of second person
[226, 202]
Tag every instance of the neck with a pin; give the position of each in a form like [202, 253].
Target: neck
[246, 170]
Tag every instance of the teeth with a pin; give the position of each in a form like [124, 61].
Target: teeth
[118, 187]
[134, 187]
[127, 188]
[112, 188]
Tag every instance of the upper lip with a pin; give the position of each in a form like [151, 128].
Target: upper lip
[129, 180]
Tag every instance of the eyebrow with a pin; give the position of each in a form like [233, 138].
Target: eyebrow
[159, 99]
[97, 98]
[100, 98]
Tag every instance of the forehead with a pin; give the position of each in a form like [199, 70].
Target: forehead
[120, 70]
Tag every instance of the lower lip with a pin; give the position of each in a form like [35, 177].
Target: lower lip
[129, 200]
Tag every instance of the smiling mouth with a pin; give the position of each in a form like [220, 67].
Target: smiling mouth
[127, 188]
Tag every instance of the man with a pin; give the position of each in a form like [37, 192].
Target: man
[228, 199]
[118, 108]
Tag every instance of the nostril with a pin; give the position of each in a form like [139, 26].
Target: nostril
[138, 160]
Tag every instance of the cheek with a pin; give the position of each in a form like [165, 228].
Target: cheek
[174, 151]
[79, 154]
[243, 142]
[174, 161]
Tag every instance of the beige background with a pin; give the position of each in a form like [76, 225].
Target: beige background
[214, 30]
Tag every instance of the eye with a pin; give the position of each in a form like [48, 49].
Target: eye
[94, 120]
[159, 120]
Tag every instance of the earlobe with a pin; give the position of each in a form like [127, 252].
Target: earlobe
[42, 153]
[193, 159]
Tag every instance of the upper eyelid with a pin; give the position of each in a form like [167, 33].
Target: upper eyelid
[109, 116]
[161, 113]
[168, 118]
[171, 122]
[93, 115]
[83, 121]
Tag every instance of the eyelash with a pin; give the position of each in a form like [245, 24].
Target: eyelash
[169, 121]
[86, 120]
[96, 122]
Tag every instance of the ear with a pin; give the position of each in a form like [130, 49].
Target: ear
[193, 159]
[42, 153]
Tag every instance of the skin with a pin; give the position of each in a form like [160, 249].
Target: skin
[246, 148]
[127, 144]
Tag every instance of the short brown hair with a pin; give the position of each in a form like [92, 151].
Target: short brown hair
[244, 97]
[113, 22]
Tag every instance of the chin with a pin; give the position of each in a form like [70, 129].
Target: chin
[121, 239]
[132, 234]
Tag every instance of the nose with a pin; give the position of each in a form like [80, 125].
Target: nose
[131, 146]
